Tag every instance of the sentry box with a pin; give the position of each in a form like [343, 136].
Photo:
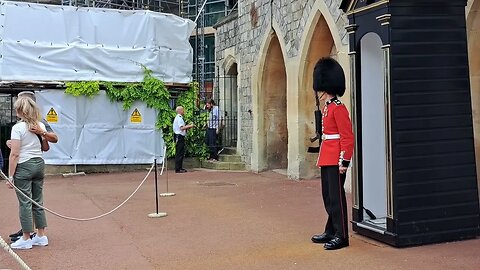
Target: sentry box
[414, 175]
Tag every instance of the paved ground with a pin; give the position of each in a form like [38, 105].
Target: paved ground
[216, 221]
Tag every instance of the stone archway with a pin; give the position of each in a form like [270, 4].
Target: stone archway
[473, 30]
[321, 44]
[273, 100]
[230, 106]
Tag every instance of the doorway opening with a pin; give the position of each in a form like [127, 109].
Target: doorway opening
[274, 102]
[228, 105]
[373, 132]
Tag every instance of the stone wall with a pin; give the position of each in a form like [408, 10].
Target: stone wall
[242, 41]
[5, 112]
[292, 16]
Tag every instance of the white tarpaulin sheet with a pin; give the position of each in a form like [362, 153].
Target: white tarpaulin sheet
[97, 131]
[64, 43]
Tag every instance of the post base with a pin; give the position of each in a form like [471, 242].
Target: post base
[168, 194]
[157, 215]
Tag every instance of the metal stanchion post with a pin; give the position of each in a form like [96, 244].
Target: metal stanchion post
[156, 214]
[166, 194]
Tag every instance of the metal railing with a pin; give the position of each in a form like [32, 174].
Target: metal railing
[225, 95]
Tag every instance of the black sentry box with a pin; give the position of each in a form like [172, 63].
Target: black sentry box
[414, 165]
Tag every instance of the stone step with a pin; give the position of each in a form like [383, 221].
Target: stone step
[230, 158]
[229, 151]
[222, 165]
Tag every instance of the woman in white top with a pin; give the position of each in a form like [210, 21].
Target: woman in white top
[26, 169]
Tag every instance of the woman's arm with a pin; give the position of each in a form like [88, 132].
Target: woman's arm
[50, 137]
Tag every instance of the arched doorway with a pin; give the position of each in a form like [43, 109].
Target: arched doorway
[321, 45]
[229, 107]
[473, 28]
[273, 99]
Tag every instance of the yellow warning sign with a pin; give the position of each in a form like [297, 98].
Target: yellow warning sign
[52, 116]
[136, 117]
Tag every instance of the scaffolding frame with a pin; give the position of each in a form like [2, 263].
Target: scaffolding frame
[212, 11]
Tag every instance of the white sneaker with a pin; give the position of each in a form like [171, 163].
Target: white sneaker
[40, 241]
[22, 244]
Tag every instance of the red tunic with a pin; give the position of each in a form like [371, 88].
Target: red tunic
[336, 122]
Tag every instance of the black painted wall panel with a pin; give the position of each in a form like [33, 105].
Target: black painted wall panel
[415, 136]
[436, 199]
[426, 110]
[450, 59]
[455, 172]
[444, 96]
[426, 123]
[426, 48]
[433, 148]
[419, 162]
[434, 237]
[437, 212]
[433, 85]
[432, 186]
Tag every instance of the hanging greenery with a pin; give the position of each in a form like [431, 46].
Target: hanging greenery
[89, 89]
[154, 94]
[195, 140]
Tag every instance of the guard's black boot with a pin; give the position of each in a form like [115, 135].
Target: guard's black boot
[322, 238]
[336, 243]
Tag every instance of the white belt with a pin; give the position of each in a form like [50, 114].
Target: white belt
[330, 137]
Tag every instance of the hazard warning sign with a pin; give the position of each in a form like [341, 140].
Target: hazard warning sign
[52, 116]
[136, 117]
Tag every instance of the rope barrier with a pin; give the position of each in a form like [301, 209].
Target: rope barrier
[6, 247]
[81, 219]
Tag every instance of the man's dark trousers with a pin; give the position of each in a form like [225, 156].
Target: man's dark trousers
[179, 151]
[212, 142]
[335, 201]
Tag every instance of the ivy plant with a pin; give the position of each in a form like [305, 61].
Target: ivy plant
[195, 140]
[89, 89]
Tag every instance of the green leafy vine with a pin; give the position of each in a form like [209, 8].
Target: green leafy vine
[89, 89]
[195, 140]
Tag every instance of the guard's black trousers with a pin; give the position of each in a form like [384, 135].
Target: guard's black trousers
[335, 202]
[179, 151]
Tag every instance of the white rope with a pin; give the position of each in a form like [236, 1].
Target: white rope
[83, 219]
[7, 248]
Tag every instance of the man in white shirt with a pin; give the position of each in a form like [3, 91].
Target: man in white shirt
[180, 131]
[212, 127]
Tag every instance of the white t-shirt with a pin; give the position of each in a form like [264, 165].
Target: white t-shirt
[177, 124]
[30, 146]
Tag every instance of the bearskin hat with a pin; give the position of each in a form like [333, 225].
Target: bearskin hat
[328, 77]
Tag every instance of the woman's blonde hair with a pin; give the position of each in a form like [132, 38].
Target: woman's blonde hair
[27, 110]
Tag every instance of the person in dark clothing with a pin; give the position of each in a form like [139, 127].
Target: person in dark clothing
[180, 131]
[213, 125]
